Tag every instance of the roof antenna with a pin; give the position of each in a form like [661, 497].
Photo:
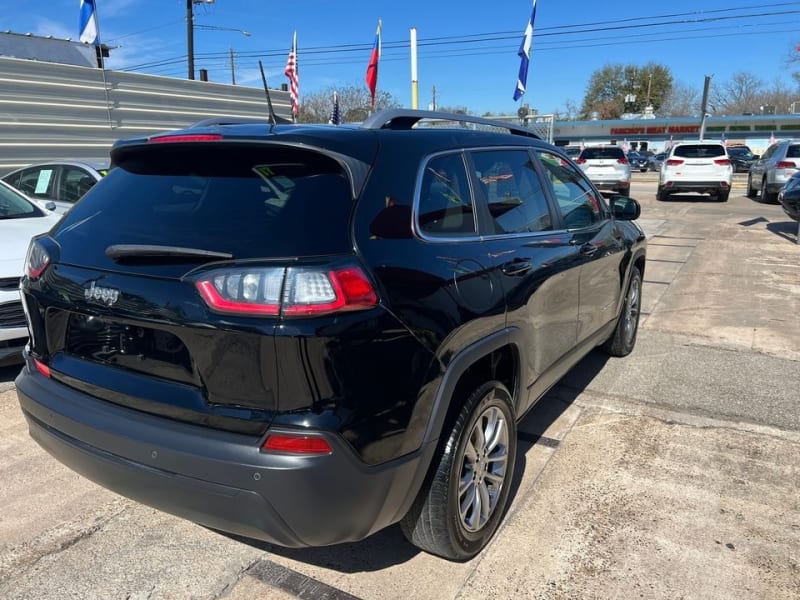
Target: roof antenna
[273, 118]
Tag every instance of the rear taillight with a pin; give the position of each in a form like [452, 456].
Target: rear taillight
[292, 292]
[580, 161]
[724, 162]
[42, 368]
[674, 162]
[622, 161]
[36, 261]
[296, 444]
[785, 164]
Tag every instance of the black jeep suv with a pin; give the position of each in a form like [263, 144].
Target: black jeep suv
[304, 334]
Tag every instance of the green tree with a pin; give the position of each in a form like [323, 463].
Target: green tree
[354, 103]
[617, 89]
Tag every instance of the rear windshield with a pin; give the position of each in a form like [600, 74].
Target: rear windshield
[246, 201]
[592, 153]
[700, 151]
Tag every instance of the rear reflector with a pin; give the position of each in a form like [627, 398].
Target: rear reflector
[296, 444]
[42, 368]
[203, 137]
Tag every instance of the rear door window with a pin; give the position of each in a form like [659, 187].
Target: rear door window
[793, 152]
[514, 194]
[38, 182]
[248, 201]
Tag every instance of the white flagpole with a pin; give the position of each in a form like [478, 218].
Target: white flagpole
[99, 50]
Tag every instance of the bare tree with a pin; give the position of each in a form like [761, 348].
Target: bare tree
[740, 94]
[354, 103]
[778, 99]
[681, 101]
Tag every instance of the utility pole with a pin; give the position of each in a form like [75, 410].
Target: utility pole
[704, 107]
[233, 70]
[190, 36]
[434, 98]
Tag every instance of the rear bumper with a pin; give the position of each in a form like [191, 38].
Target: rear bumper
[220, 479]
[696, 186]
[609, 184]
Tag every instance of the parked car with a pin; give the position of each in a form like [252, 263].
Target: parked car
[637, 161]
[20, 220]
[789, 197]
[607, 167]
[654, 162]
[61, 182]
[742, 158]
[311, 368]
[769, 173]
[702, 167]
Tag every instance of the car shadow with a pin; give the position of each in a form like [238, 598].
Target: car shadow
[8, 373]
[692, 198]
[785, 229]
[389, 547]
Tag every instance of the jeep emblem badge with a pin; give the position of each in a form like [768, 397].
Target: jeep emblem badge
[101, 294]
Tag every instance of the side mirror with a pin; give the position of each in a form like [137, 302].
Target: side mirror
[624, 208]
[51, 206]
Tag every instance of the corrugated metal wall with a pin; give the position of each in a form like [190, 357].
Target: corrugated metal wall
[52, 111]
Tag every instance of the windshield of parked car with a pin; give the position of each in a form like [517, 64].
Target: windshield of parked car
[740, 153]
[14, 206]
[700, 151]
[596, 153]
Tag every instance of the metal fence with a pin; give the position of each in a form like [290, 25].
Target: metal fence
[51, 111]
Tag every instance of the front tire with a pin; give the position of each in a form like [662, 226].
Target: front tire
[461, 504]
[623, 339]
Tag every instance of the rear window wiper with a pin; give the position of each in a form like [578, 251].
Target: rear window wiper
[118, 251]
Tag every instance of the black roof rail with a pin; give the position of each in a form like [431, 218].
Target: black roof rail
[403, 118]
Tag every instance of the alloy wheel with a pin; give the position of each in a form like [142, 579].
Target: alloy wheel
[631, 317]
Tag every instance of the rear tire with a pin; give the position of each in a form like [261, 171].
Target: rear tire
[462, 502]
[723, 196]
[661, 194]
[623, 339]
[751, 193]
[766, 196]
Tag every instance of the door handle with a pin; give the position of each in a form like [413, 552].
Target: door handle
[517, 267]
[588, 249]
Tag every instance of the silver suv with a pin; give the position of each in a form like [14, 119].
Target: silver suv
[607, 168]
[775, 167]
[702, 167]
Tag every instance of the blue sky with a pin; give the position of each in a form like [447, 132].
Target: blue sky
[467, 47]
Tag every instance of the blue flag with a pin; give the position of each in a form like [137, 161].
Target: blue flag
[525, 57]
[87, 23]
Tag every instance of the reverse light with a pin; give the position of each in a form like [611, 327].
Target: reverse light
[197, 137]
[36, 261]
[674, 162]
[293, 292]
[296, 444]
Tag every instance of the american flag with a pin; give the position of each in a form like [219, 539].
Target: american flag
[294, 76]
[336, 117]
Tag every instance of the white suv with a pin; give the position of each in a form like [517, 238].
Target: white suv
[702, 167]
[607, 168]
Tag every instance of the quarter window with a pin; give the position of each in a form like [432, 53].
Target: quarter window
[445, 203]
[580, 205]
[514, 195]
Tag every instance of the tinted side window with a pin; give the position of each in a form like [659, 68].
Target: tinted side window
[445, 203]
[793, 152]
[514, 195]
[579, 203]
[770, 151]
[38, 182]
[74, 183]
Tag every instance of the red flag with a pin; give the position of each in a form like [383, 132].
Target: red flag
[294, 76]
[372, 68]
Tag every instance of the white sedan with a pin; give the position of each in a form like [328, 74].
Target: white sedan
[20, 220]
